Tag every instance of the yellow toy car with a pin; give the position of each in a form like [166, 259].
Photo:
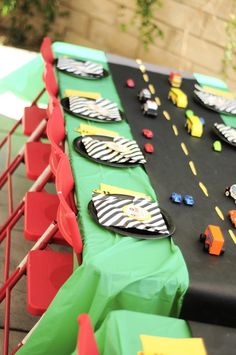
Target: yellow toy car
[194, 126]
[178, 97]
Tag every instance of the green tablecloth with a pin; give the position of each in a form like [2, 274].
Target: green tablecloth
[117, 272]
[121, 330]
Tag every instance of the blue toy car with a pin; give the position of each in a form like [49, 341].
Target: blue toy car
[189, 200]
[202, 120]
[175, 197]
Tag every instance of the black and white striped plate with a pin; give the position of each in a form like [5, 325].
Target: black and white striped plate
[79, 148]
[87, 76]
[222, 137]
[66, 106]
[213, 107]
[134, 232]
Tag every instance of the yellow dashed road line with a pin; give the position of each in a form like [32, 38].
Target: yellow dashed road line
[192, 167]
[204, 189]
[232, 235]
[175, 129]
[166, 115]
[158, 101]
[138, 61]
[142, 68]
[219, 212]
[145, 77]
[152, 89]
[185, 150]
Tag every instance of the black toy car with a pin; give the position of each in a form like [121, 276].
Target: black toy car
[144, 95]
[150, 108]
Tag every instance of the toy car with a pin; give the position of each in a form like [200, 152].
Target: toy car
[232, 217]
[144, 95]
[213, 240]
[148, 133]
[178, 97]
[175, 197]
[175, 79]
[217, 146]
[231, 192]
[189, 113]
[150, 108]
[148, 148]
[130, 83]
[203, 121]
[194, 126]
[188, 200]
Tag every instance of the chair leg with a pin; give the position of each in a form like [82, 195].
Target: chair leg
[21, 268]
[24, 340]
[20, 156]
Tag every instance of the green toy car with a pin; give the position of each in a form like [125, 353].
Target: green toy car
[217, 146]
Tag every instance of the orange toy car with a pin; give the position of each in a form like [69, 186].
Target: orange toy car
[213, 240]
[175, 79]
[232, 217]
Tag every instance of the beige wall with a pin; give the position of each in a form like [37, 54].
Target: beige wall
[194, 34]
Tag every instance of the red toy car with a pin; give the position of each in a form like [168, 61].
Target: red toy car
[232, 217]
[149, 148]
[148, 133]
[130, 83]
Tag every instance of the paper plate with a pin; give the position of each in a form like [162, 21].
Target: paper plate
[212, 108]
[79, 147]
[65, 105]
[133, 232]
[222, 137]
[87, 77]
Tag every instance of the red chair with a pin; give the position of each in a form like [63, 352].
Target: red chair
[86, 343]
[47, 271]
[46, 50]
[51, 85]
[41, 207]
[34, 151]
[32, 117]
[31, 120]
[66, 217]
[39, 281]
[68, 226]
[36, 159]
[37, 153]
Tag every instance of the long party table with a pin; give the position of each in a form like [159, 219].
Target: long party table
[124, 273]
[117, 272]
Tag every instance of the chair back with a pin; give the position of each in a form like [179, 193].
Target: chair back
[50, 81]
[86, 343]
[56, 136]
[46, 50]
[66, 217]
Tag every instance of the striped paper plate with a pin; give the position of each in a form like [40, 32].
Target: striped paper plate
[226, 109]
[134, 232]
[65, 102]
[85, 75]
[222, 137]
[80, 148]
